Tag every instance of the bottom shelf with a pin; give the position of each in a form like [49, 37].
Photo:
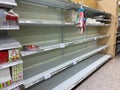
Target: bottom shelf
[69, 78]
[11, 87]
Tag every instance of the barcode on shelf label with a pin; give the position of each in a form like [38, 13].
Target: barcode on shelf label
[74, 62]
[47, 76]
[62, 45]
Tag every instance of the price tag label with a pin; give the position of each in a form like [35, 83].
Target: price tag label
[47, 76]
[95, 38]
[62, 45]
[74, 62]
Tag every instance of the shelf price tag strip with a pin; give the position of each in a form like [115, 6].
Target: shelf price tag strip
[47, 76]
[62, 45]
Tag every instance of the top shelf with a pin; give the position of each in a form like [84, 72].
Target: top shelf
[65, 4]
[95, 12]
[7, 4]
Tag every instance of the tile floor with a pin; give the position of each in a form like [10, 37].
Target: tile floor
[106, 78]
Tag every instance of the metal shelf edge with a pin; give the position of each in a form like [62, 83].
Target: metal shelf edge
[26, 53]
[10, 28]
[9, 64]
[100, 25]
[36, 22]
[8, 4]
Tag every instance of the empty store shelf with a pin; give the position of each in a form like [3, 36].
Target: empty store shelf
[73, 75]
[37, 73]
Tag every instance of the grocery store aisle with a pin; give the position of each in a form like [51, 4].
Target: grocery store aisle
[106, 78]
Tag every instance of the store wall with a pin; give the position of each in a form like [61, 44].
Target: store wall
[90, 3]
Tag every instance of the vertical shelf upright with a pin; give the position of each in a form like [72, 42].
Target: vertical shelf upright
[62, 57]
[112, 29]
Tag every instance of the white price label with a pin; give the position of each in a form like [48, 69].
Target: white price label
[47, 76]
[95, 38]
[74, 62]
[62, 45]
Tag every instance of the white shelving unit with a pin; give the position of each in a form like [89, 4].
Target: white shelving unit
[78, 57]
[7, 43]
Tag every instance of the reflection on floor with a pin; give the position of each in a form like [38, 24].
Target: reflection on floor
[106, 78]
